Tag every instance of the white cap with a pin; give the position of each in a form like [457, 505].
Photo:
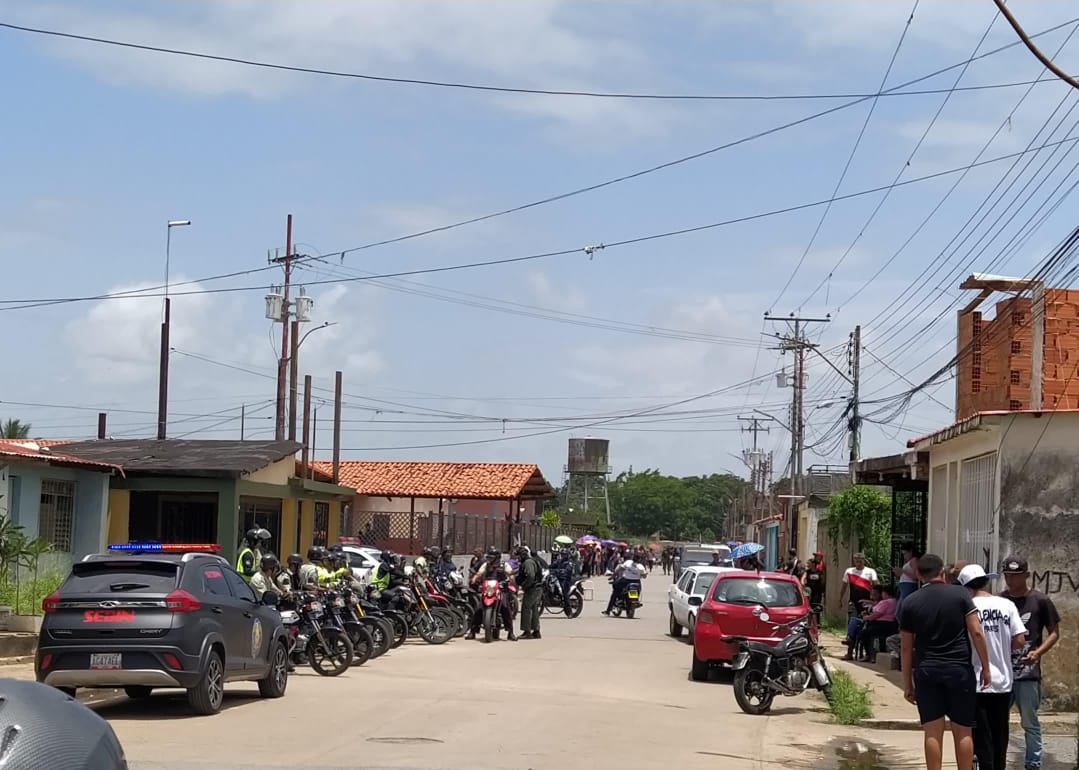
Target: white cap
[972, 572]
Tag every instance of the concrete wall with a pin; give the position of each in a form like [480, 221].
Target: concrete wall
[276, 473]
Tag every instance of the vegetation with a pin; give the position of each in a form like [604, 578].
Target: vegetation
[550, 518]
[24, 596]
[694, 507]
[11, 428]
[850, 701]
[863, 515]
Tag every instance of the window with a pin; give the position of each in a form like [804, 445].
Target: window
[752, 590]
[1014, 377]
[56, 517]
[704, 582]
[214, 582]
[683, 582]
[978, 516]
[1013, 404]
[96, 577]
[322, 523]
[1018, 318]
[240, 589]
[1017, 346]
[975, 387]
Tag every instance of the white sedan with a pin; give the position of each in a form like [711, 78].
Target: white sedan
[361, 561]
[694, 581]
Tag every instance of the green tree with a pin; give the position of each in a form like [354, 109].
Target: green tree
[550, 518]
[12, 428]
[863, 515]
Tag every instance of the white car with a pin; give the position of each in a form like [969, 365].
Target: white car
[694, 581]
[362, 562]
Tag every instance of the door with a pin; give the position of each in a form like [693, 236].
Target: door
[738, 605]
[680, 597]
[256, 634]
[227, 611]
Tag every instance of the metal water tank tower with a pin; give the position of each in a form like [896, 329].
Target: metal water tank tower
[588, 460]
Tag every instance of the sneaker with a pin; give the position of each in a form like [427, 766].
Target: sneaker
[525, 635]
[536, 635]
[606, 612]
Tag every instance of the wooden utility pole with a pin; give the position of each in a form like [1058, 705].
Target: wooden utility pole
[293, 376]
[306, 424]
[282, 362]
[337, 427]
[854, 367]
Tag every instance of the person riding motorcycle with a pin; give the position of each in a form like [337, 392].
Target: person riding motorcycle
[247, 561]
[308, 572]
[290, 576]
[266, 578]
[422, 563]
[338, 565]
[333, 566]
[494, 568]
[443, 567]
[629, 571]
[564, 568]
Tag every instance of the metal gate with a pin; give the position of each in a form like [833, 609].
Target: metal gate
[977, 510]
[910, 517]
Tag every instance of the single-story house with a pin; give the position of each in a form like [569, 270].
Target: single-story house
[1003, 483]
[398, 504]
[57, 497]
[200, 491]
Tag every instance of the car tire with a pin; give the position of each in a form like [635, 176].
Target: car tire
[206, 697]
[273, 686]
[68, 691]
[138, 691]
[698, 669]
[675, 627]
[690, 629]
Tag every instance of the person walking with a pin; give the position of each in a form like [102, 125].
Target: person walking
[938, 628]
[1004, 631]
[531, 582]
[1042, 622]
[815, 579]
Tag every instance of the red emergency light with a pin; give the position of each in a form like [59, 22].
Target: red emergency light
[164, 547]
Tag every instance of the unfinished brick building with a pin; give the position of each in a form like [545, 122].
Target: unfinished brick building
[998, 356]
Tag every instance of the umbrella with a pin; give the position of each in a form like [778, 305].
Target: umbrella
[620, 544]
[732, 543]
[608, 542]
[583, 539]
[653, 546]
[746, 549]
[564, 540]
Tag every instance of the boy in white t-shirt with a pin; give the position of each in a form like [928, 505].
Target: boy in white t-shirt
[1004, 631]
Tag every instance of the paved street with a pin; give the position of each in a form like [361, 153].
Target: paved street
[595, 692]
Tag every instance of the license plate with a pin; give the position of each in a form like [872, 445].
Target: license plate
[740, 661]
[105, 661]
[316, 607]
[634, 595]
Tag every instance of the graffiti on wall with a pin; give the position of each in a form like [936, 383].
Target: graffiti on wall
[1054, 582]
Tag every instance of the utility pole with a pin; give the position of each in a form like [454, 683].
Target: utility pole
[293, 375]
[243, 419]
[282, 362]
[754, 459]
[854, 367]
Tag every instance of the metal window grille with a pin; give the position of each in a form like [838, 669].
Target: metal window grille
[1013, 404]
[322, 523]
[1015, 377]
[977, 509]
[1017, 346]
[56, 516]
[1018, 318]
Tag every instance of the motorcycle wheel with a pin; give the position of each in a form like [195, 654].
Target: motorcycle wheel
[463, 623]
[381, 634]
[631, 610]
[363, 643]
[576, 605]
[334, 657]
[435, 626]
[748, 686]
[490, 622]
[400, 629]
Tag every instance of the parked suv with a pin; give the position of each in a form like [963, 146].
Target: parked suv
[734, 606]
[142, 620]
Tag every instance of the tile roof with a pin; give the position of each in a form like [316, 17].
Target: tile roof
[477, 481]
[184, 457]
[35, 452]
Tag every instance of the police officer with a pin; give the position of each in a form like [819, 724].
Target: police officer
[531, 582]
[266, 578]
[247, 561]
[494, 568]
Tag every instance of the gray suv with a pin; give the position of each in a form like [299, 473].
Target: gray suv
[148, 620]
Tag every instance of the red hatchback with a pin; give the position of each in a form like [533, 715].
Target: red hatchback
[743, 603]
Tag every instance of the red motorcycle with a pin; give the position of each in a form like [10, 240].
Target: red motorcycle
[492, 596]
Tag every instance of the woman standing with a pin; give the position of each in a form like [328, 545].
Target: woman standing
[907, 574]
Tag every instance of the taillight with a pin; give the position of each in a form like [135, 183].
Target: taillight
[704, 616]
[181, 601]
[48, 604]
[172, 661]
[46, 661]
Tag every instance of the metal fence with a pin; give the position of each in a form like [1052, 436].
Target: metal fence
[409, 533]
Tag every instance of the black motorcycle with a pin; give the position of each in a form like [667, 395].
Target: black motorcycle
[629, 600]
[762, 671]
[553, 599]
[313, 641]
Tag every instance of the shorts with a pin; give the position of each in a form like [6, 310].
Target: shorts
[946, 690]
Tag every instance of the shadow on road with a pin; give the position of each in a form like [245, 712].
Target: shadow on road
[168, 704]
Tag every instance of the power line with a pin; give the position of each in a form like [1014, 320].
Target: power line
[461, 85]
[1049, 63]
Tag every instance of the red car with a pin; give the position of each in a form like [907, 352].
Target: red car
[743, 603]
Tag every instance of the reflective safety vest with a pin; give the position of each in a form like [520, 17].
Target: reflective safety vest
[326, 577]
[381, 578]
[243, 570]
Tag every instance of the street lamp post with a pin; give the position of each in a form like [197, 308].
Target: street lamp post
[163, 363]
[294, 372]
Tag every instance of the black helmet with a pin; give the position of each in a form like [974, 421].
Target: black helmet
[316, 553]
[269, 561]
[388, 557]
[252, 536]
[493, 552]
[447, 553]
[47, 728]
[294, 558]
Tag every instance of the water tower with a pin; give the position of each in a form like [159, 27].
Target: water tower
[586, 468]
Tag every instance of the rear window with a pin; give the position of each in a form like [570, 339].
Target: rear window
[704, 582]
[752, 590]
[704, 555]
[102, 577]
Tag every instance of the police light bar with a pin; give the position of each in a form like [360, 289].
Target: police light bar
[349, 540]
[163, 547]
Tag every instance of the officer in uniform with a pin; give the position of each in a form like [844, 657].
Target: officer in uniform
[531, 582]
[247, 561]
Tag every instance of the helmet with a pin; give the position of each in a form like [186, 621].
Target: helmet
[523, 552]
[447, 553]
[294, 558]
[251, 537]
[269, 561]
[316, 553]
[47, 728]
[493, 553]
[263, 534]
[388, 557]
[431, 552]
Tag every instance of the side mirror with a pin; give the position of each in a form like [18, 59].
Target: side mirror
[696, 601]
[270, 599]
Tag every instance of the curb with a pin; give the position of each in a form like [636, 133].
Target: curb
[1049, 727]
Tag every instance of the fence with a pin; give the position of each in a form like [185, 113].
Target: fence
[408, 532]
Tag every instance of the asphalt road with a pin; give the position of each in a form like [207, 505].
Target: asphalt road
[595, 692]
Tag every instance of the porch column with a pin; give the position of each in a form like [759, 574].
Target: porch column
[289, 513]
[306, 512]
[228, 520]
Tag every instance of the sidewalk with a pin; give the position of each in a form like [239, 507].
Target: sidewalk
[891, 710]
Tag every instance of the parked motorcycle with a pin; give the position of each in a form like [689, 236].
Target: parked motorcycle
[629, 601]
[338, 615]
[794, 665]
[493, 596]
[554, 601]
[327, 649]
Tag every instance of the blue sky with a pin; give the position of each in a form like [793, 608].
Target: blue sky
[103, 145]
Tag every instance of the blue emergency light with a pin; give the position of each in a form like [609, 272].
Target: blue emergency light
[163, 547]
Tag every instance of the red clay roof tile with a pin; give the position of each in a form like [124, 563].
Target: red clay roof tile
[486, 481]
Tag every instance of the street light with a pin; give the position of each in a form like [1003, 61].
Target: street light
[163, 363]
[294, 371]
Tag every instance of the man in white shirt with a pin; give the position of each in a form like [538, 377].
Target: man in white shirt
[1004, 631]
[625, 573]
[859, 581]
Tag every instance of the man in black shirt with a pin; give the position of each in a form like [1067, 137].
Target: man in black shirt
[938, 627]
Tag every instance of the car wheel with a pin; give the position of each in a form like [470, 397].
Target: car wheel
[273, 686]
[69, 691]
[690, 628]
[138, 691]
[698, 669]
[207, 696]
[676, 628]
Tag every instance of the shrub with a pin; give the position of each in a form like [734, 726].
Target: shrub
[850, 701]
[24, 596]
